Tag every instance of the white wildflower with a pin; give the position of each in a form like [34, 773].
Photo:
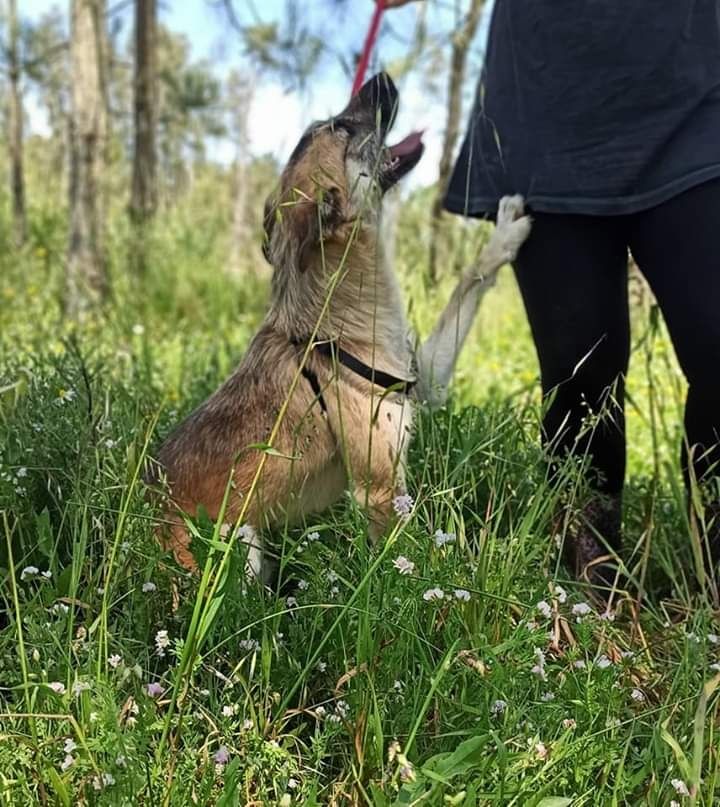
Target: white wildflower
[228, 711]
[403, 505]
[66, 395]
[403, 565]
[148, 587]
[546, 697]
[313, 536]
[498, 708]
[433, 594]
[162, 642]
[461, 594]
[79, 687]
[70, 745]
[443, 538]
[115, 661]
[57, 687]
[544, 608]
[28, 572]
[680, 787]
[561, 594]
[581, 609]
[541, 750]
[637, 695]
[67, 762]
[603, 662]
[249, 645]
[539, 668]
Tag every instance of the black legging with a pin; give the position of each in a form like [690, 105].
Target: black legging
[572, 273]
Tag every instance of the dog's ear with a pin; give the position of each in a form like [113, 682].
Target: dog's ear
[296, 226]
[269, 215]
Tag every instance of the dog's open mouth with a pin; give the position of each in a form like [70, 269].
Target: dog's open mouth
[400, 159]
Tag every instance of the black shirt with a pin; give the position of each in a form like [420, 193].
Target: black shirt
[599, 107]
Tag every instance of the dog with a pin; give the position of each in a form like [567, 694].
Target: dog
[323, 400]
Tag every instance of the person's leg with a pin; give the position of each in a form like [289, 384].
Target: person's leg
[676, 248]
[572, 273]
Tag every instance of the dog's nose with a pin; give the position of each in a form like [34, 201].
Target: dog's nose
[378, 94]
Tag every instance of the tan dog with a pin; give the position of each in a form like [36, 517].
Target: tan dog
[328, 376]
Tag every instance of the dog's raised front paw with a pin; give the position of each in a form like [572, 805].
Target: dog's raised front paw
[512, 226]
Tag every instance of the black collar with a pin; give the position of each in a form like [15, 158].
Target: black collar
[333, 351]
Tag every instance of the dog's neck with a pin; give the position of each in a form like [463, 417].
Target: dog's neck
[365, 312]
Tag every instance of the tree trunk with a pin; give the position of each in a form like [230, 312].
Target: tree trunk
[240, 93]
[86, 270]
[15, 133]
[458, 61]
[143, 202]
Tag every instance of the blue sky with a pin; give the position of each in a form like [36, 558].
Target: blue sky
[278, 118]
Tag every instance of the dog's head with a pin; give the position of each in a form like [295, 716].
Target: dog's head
[336, 175]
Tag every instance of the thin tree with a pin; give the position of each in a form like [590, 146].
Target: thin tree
[239, 98]
[86, 269]
[143, 201]
[458, 62]
[15, 126]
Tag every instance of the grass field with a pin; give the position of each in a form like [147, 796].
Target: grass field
[480, 676]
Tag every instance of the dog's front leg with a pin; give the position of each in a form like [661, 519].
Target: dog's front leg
[437, 356]
[376, 458]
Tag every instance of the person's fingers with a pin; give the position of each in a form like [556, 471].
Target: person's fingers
[397, 3]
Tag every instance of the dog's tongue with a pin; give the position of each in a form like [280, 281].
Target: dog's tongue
[407, 145]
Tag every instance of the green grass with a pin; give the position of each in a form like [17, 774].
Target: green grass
[359, 690]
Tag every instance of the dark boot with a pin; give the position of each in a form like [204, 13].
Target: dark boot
[591, 538]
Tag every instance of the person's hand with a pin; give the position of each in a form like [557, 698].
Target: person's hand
[397, 3]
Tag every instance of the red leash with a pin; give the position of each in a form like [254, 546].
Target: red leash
[368, 46]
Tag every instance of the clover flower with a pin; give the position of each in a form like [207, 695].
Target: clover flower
[403, 565]
[443, 538]
[544, 608]
[498, 708]
[403, 505]
[680, 787]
